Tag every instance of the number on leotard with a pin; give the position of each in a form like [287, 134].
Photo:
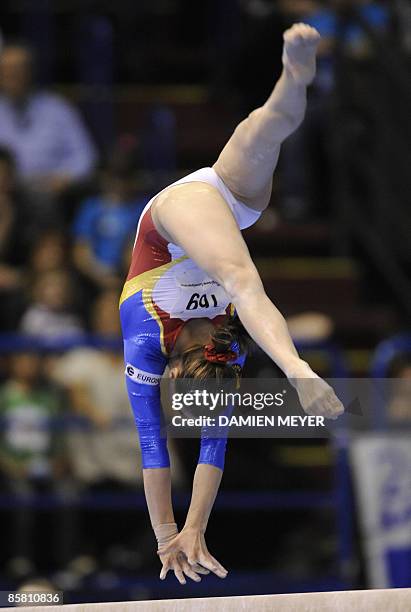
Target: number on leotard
[193, 302]
[201, 301]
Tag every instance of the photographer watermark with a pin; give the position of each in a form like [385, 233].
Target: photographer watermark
[271, 407]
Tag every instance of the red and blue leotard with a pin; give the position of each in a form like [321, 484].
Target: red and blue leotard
[164, 289]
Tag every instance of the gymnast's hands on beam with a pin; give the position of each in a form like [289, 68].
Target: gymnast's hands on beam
[174, 560]
[189, 554]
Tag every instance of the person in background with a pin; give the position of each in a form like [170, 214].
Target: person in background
[105, 224]
[49, 252]
[51, 314]
[52, 147]
[32, 456]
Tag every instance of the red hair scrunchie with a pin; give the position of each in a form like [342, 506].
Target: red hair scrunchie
[210, 353]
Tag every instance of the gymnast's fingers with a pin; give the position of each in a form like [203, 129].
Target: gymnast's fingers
[164, 570]
[188, 571]
[213, 565]
[199, 569]
[178, 572]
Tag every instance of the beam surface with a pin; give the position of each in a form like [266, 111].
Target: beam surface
[390, 600]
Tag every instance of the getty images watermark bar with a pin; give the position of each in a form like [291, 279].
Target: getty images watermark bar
[270, 408]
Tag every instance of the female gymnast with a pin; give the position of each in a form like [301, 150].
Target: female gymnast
[191, 274]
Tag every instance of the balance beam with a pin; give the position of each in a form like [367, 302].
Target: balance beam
[383, 600]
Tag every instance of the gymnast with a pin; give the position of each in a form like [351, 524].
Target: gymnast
[191, 278]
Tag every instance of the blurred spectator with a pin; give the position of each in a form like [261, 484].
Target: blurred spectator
[399, 408]
[49, 252]
[52, 147]
[51, 314]
[106, 223]
[31, 449]
[19, 222]
[304, 154]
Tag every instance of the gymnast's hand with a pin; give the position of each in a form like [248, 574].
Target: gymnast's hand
[300, 48]
[177, 562]
[190, 542]
[316, 396]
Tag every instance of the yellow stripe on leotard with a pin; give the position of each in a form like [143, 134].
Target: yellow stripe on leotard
[147, 280]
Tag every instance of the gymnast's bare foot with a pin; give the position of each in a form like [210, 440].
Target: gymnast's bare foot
[299, 54]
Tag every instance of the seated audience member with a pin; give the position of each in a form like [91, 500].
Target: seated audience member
[106, 223]
[49, 252]
[45, 133]
[52, 312]
[32, 456]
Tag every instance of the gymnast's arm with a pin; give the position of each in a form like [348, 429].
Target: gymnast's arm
[196, 217]
[148, 415]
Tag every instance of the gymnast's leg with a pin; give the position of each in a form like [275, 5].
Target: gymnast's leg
[247, 162]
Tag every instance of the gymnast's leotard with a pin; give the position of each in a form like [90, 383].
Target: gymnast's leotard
[164, 289]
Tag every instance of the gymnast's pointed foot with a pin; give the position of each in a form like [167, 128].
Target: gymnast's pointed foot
[300, 49]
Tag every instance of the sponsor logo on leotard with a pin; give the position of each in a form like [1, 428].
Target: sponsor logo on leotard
[142, 377]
